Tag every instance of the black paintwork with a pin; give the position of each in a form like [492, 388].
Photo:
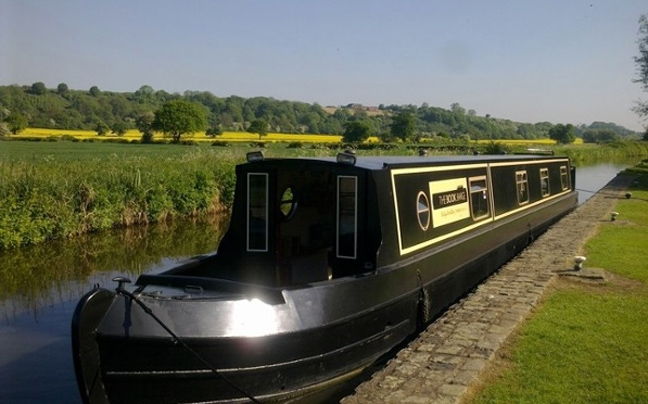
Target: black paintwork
[282, 322]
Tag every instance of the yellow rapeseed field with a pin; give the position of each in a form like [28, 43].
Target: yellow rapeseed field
[200, 136]
[134, 134]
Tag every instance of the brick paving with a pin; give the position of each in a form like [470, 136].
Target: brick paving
[440, 365]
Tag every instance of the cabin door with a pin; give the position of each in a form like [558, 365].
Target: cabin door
[305, 224]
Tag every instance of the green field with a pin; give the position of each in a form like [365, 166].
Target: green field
[73, 151]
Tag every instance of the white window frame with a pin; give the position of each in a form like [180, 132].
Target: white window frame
[564, 178]
[355, 217]
[486, 190]
[544, 175]
[522, 179]
[248, 214]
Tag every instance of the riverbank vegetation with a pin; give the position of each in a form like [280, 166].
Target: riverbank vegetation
[72, 189]
[587, 343]
[608, 151]
[65, 188]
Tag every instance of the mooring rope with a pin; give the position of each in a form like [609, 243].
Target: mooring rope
[600, 191]
[586, 190]
[120, 290]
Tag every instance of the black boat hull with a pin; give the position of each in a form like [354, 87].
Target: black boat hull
[197, 333]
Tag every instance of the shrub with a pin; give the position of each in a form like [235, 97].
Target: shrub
[69, 138]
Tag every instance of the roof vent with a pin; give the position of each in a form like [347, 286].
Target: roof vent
[255, 156]
[346, 158]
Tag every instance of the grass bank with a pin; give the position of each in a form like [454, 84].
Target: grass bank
[589, 152]
[58, 188]
[78, 188]
[587, 342]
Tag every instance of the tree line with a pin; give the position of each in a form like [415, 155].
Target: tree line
[105, 112]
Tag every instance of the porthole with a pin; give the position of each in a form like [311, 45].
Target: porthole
[423, 210]
[288, 203]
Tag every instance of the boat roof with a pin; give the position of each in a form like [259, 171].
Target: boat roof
[382, 162]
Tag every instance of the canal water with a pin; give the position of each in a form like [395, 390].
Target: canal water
[590, 179]
[40, 285]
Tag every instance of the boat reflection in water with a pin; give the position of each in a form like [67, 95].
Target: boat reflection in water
[327, 265]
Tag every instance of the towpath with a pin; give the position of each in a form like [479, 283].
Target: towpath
[440, 365]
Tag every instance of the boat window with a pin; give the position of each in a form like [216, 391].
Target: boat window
[478, 197]
[423, 210]
[347, 218]
[257, 212]
[564, 180]
[288, 203]
[522, 187]
[544, 181]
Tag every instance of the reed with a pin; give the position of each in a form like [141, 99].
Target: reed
[67, 188]
[46, 197]
[605, 152]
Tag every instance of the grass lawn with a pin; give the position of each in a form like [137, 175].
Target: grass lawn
[587, 343]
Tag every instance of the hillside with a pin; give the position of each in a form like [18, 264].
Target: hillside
[64, 108]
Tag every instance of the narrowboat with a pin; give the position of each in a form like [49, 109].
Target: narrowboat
[328, 263]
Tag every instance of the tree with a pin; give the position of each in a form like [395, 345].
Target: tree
[4, 129]
[17, 122]
[214, 131]
[177, 117]
[356, 131]
[38, 88]
[599, 136]
[457, 108]
[403, 126]
[62, 88]
[94, 91]
[145, 95]
[258, 126]
[563, 134]
[144, 123]
[101, 128]
[641, 108]
[119, 128]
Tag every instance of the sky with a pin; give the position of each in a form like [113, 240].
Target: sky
[561, 61]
